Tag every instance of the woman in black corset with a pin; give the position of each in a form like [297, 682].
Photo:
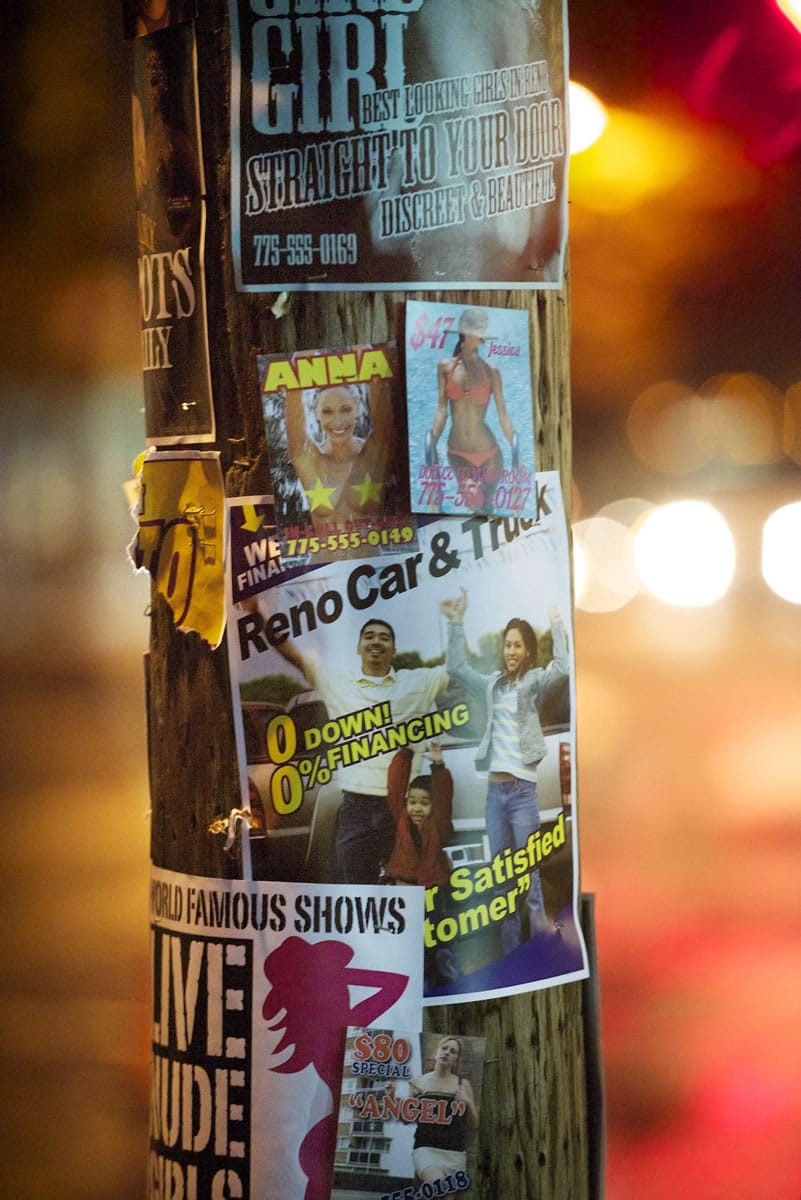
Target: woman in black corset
[440, 1148]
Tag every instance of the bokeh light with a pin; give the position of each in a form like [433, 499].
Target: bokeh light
[670, 428]
[791, 10]
[791, 433]
[579, 569]
[630, 511]
[609, 575]
[732, 419]
[637, 158]
[587, 117]
[781, 552]
[685, 554]
[755, 764]
[746, 412]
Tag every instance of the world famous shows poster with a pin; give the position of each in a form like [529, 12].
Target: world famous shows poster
[471, 429]
[406, 143]
[170, 223]
[409, 1110]
[394, 728]
[254, 987]
[334, 421]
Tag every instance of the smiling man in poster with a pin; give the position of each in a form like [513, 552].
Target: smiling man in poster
[366, 830]
[370, 640]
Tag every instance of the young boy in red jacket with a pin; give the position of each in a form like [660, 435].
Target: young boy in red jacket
[423, 812]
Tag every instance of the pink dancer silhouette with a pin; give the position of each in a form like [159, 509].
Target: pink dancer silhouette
[310, 995]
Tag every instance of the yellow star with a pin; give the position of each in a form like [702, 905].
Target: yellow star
[319, 495]
[368, 489]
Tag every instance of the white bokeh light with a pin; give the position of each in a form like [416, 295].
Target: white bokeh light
[685, 554]
[587, 117]
[781, 552]
[609, 575]
[792, 10]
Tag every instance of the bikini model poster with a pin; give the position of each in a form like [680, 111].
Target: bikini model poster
[470, 414]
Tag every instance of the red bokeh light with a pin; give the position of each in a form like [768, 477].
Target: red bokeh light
[740, 69]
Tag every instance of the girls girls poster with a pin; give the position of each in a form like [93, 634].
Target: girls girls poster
[407, 144]
[471, 425]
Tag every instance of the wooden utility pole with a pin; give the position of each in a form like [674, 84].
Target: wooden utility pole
[534, 1129]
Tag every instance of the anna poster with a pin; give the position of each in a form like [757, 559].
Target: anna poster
[334, 421]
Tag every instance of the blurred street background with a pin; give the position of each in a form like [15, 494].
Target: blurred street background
[685, 237]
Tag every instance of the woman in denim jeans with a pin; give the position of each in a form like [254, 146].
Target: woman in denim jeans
[513, 742]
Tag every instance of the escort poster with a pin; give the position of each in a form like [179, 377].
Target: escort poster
[471, 426]
[375, 706]
[400, 144]
[247, 1061]
[170, 224]
[408, 1114]
[334, 422]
